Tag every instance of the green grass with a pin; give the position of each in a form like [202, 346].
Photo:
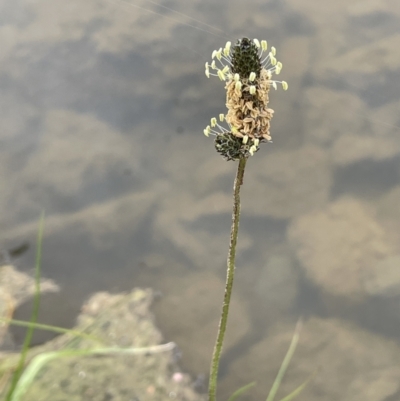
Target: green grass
[35, 312]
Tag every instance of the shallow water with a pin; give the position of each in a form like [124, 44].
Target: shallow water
[103, 104]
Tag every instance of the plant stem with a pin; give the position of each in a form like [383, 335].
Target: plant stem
[212, 387]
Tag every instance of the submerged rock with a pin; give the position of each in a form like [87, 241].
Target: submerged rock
[384, 280]
[129, 364]
[15, 288]
[338, 246]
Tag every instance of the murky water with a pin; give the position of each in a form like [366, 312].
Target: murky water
[103, 105]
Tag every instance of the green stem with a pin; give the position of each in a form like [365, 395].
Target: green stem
[212, 387]
[35, 313]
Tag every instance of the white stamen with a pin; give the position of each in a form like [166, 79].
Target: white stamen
[245, 139]
[236, 77]
[252, 76]
[225, 69]
[252, 90]
[285, 85]
[264, 45]
[221, 75]
[221, 117]
[213, 122]
[257, 43]
[227, 48]
[273, 50]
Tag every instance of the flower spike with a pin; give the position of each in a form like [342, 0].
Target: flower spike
[247, 69]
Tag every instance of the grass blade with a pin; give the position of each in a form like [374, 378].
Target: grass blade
[286, 362]
[240, 391]
[35, 311]
[39, 361]
[55, 329]
[299, 389]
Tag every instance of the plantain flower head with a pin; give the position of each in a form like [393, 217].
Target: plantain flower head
[247, 68]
